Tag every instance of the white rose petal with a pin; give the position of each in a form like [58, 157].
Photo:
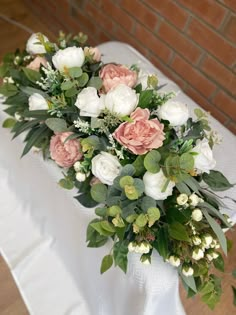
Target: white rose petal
[37, 102]
[197, 254]
[122, 100]
[203, 161]
[33, 45]
[175, 112]
[193, 200]
[182, 199]
[89, 103]
[106, 167]
[68, 58]
[174, 261]
[197, 215]
[154, 184]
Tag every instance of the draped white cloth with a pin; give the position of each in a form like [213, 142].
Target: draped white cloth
[43, 233]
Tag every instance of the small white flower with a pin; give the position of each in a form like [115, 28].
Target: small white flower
[182, 199]
[203, 161]
[89, 103]
[77, 166]
[212, 255]
[143, 248]
[154, 184]
[80, 177]
[207, 240]
[131, 247]
[197, 215]
[121, 100]
[175, 112]
[8, 80]
[196, 240]
[34, 46]
[145, 259]
[68, 58]
[197, 254]
[18, 117]
[106, 167]
[37, 102]
[193, 200]
[187, 271]
[174, 261]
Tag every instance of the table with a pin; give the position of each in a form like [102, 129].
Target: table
[43, 233]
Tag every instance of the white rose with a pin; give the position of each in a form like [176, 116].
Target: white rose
[193, 200]
[187, 271]
[33, 45]
[106, 167]
[175, 112]
[204, 160]
[197, 254]
[174, 261]
[182, 199]
[154, 184]
[121, 100]
[37, 102]
[68, 58]
[89, 103]
[197, 215]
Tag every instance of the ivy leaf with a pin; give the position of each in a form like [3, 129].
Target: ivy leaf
[120, 252]
[151, 161]
[56, 124]
[99, 192]
[216, 181]
[162, 241]
[106, 263]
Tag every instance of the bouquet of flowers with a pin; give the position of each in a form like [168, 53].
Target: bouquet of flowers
[131, 151]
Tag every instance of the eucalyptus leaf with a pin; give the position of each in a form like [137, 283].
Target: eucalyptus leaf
[75, 72]
[66, 183]
[95, 82]
[216, 181]
[151, 161]
[56, 124]
[189, 281]
[32, 75]
[99, 192]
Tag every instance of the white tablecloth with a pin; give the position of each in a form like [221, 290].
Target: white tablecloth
[43, 232]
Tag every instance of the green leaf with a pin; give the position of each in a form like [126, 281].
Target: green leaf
[3, 70]
[106, 263]
[30, 90]
[101, 211]
[139, 186]
[162, 242]
[141, 220]
[9, 123]
[83, 79]
[218, 231]
[94, 238]
[126, 180]
[56, 124]
[153, 215]
[95, 82]
[8, 89]
[234, 294]
[216, 181]
[22, 126]
[189, 281]
[186, 162]
[127, 170]
[66, 183]
[99, 227]
[210, 299]
[183, 188]
[120, 252]
[178, 232]
[114, 210]
[145, 98]
[32, 75]
[99, 192]
[107, 226]
[147, 202]
[208, 287]
[219, 263]
[151, 161]
[67, 85]
[75, 72]
[71, 92]
[139, 165]
[86, 200]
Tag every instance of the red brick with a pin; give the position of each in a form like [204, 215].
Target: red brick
[140, 12]
[230, 4]
[179, 43]
[226, 103]
[212, 42]
[169, 73]
[207, 106]
[232, 127]
[208, 10]
[219, 73]
[85, 23]
[230, 29]
[102, 37]
[98, 17]
[193, 76]
[169, 10]
[110, 8]
[153, 43]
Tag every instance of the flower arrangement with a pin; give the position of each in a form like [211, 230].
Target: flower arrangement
[131, 151]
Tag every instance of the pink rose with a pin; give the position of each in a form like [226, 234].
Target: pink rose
[141, 135]
[93, 52]
[36, 63]
[65, 154]
[113, 75]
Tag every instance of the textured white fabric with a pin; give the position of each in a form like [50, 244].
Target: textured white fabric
[43, 233]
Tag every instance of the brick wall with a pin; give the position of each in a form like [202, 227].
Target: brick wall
[191, 41]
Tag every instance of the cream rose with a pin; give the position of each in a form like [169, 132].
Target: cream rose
[37, 102]
[154, 184]
[89, 103]
[203, 161]
[106, 167]
[33, 45]
[175, 112]
[68, 58]
[121, 100]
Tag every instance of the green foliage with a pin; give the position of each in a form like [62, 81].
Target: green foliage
[151, 161]
[66, 183]
[56, 124]
[219, 263]
[8, 89]
[99, 193]
[106, 263]
[120, 252]
[162, 242]
[75, 72]
[153, 215]
[95, 82]
[216, 181]
[8, 123]
[32, 75]
[145, 98]
[178, 232]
